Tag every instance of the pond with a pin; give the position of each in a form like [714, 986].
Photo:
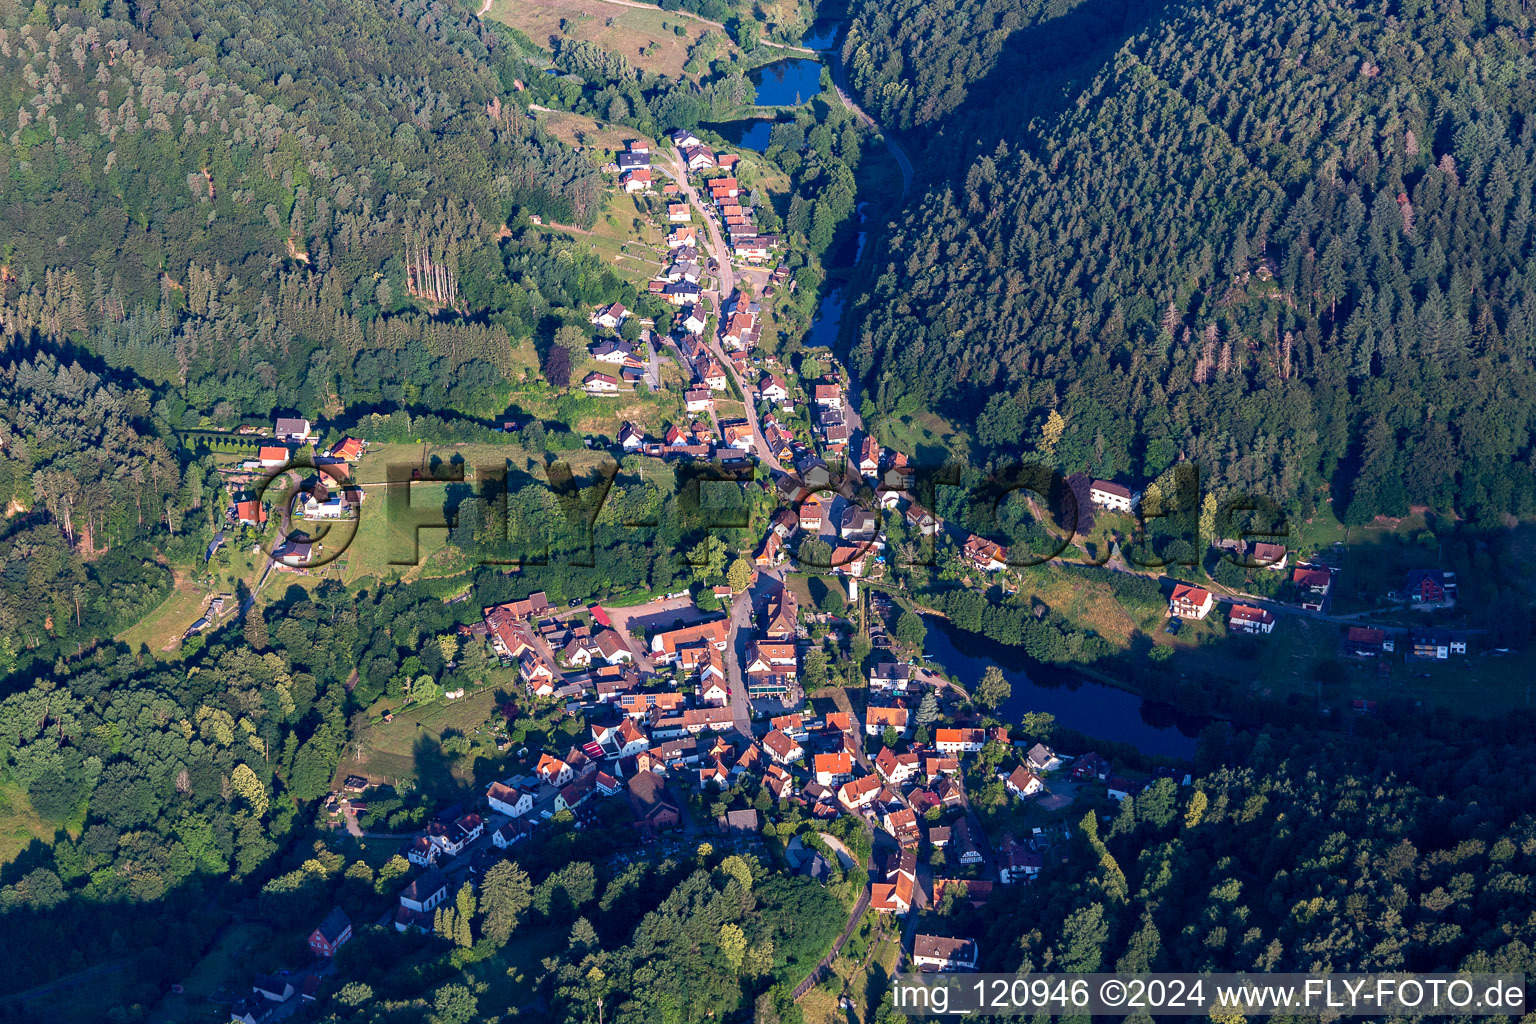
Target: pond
[751, 133]
[786, 82]
[821, 35]
[829, 318]
[1092, 708]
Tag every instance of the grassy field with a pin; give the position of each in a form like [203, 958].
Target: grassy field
[925, 436]
[647, 38]
[19, 823]
[223, 962]
[392, 750]
[581, 132]
[168, 621]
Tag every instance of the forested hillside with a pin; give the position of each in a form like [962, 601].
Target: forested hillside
[1291, 242]
[1372, 855]
[210, 215]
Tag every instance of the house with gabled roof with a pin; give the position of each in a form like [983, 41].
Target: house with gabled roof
[859, 792]
[1112, 496]
[940, 953]
[1023, 783]
[1312, 585]
[878, 719]
[1190, 602]
[833, 769]
[1242, 618]
[782, 748]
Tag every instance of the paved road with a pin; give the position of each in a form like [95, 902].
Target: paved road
[840, 86]
[727, 284]
[842, 940]
[735, 645]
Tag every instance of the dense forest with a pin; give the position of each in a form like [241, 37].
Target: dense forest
[1291, 243]
[1378, 854]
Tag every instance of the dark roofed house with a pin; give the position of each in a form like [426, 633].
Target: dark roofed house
[741, 822]
[653, 810]
[941, 953]
[1366, 642]
[1430, 588]
[331, 934]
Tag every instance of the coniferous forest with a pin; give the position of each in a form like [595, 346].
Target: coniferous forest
[1291, 242]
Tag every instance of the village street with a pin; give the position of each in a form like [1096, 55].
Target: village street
[726, 283]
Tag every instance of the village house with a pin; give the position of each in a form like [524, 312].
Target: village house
[878, 719]
[693, 321]
[331, 933]
[291, 429]
[1312, 585]
[511, 833]
[1091, 766]
[599, 385]
[1272, 557]
[984, 554]
[782, 748]
[418, 899]
[453, 836]
[1366, 642]
[965, 848]
[938, 767]
[902, 826]
[773, 388]
[812, 514]
[959, 741]
[780, 616]
[637, 179]
[894, 768]
[1435, 645]
[664, 646]
[251, 512]
[1244, 618]
[699, 399]
[1018, 862]
[271, 456]
[869, 457]
[652, 810]
[1041, 758]
[1022, 783]
[609, 316]
[857, 793]
[1190, 602]
[858, 523]
[1112, 496]
[894, 895]
[505, 798]
[348, 449]
[612, 350]
[679, 213]
[921, 520]
[833, 769]
[422, 852]
[1430, 588]
[828, 395]
[941, 953]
